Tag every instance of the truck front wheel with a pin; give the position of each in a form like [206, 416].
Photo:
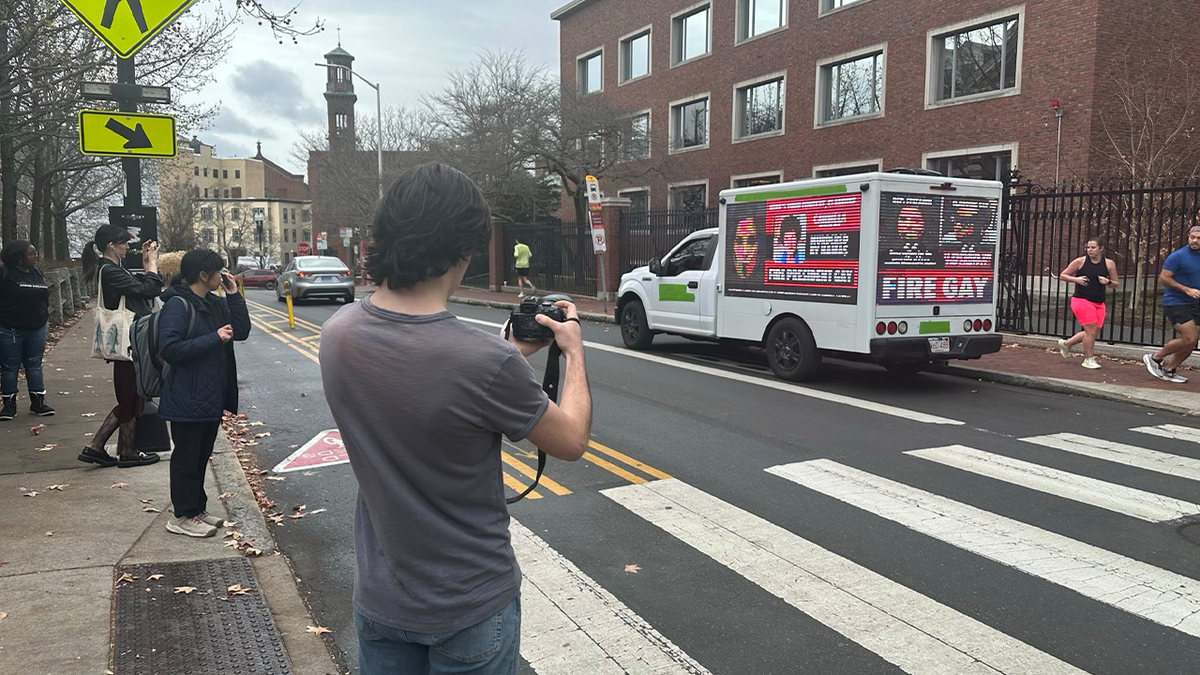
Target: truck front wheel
[792, 351]
[635, 332]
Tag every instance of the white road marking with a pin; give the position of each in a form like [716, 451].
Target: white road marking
[863, 404]
[1119, 498]
[1139, 588]
[570, 624]
[1173, 431]
[912, 631]
[1129, 455]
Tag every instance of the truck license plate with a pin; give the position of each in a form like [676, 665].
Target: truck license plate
[939, 345]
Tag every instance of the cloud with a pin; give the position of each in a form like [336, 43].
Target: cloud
[275, 90]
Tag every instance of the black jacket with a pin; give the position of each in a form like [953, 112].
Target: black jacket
[24, 298]
[139, 289]
[202, 380]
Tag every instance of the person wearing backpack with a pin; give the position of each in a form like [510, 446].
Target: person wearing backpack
[201, 381]
[24, 312]
[102, 261]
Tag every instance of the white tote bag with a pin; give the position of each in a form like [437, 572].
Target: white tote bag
[111, 339]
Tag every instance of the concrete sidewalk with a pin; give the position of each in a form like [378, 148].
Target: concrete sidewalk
[71, 530]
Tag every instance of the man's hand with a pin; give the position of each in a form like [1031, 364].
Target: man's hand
[225, 333]
[568, 334]
[1193, 293]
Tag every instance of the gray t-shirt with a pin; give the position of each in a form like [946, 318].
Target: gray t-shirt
[421, 402]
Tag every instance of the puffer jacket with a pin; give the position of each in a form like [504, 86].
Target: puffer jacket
[139, 289]
[202, 380]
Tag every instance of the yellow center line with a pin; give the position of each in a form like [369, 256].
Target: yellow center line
[518, 486]
[283, 315]
[613, 468]
[283, 338]
[640, 466]
[530, 473]
[267, 328]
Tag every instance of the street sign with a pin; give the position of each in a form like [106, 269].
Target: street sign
[109, 91]
[142, 223]
[127, 25]
[326, 449]
[320, 241]
[595, 210]
[303, 248]
[118, 134]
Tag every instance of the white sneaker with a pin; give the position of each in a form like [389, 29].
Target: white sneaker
[1090, 363]
[211, 519]
[520, 295]
[192, 527]
[1172, 376]
[1063, 348]
[1153, 366]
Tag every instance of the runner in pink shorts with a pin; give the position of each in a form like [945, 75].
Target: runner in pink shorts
[1091, 274]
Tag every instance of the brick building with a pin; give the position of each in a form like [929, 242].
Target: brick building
[726, 93]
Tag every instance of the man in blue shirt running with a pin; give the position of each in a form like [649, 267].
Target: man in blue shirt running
[1180, 278]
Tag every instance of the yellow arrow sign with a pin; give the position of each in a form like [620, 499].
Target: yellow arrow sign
[118, 134]
[127, 25]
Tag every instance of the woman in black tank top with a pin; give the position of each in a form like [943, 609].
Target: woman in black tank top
[1092, 274]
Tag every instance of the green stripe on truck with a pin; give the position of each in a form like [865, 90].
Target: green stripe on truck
[931, 327]
[784, 194]
[676, 293]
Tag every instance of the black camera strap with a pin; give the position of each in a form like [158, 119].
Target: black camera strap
[550, 386]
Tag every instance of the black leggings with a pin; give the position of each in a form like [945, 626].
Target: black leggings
[189, 462]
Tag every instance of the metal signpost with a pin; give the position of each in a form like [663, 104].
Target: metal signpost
[259, 216]
[599, 243]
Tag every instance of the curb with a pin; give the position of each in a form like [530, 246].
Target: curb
[241, 504]
[496, 304]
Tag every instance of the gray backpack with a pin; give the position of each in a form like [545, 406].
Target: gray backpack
[148, 367]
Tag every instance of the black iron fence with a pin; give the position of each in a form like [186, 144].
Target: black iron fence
[562, 257]
[1046, 229]
[647, 234]
[477, 275]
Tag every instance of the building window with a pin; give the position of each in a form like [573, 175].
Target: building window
[844, 170]
[235, 213]
[305, 216]
[206, 213]
[270, 237]
[340, 120]
[285, 235]
[751, 181]
[206, 193]
[197, 194]
[237, 173]
[689, 197]
[195, 171]
[635, 57]
[981, 165]
[284, 215]
[293, 215]
[237, 236]
[690, 33]
[206, 172]
[637, 138]
[590, 73]
[978, 60]
[758, 17]
[830, 5]
[224, 173]
[689, 124]
[760, 109]
[210, 235]
[237, 193]
[639, 200]
[293, 234]
[852, 88]
[307, 235]
[226, 193]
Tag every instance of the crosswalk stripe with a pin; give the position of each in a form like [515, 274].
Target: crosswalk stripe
[1172, 431]
[1139, 588]
[908, 629]
[1119, 498]
[1129, 455]
[570, 624]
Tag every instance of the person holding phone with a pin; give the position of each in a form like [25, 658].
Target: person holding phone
[196, 333]
[1092, 275]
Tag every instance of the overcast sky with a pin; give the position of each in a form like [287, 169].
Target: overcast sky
[270, 91]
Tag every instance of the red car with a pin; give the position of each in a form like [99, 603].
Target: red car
[260, 279]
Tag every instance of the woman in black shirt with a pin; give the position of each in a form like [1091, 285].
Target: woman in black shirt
[24, 309]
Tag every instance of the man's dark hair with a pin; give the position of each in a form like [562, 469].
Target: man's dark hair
[14, 252]
[431, 218]
[790, 224]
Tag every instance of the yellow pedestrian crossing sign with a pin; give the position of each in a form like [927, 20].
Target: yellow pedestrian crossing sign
[127, 25]
[118, 134]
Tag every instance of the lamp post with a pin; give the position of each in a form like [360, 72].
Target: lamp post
[378, 119]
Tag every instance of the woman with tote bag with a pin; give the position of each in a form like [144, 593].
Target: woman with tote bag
[122, 297]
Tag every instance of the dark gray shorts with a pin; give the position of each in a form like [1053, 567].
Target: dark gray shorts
[1181, 314]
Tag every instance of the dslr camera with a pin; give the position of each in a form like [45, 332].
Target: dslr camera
[522, 320]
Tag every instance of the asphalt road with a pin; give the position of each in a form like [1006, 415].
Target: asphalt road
[725, 522]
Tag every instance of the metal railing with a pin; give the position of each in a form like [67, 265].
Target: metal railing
[647, 234]
[562, 257]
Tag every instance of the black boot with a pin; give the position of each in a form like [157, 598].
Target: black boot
[9, 408]
[37, 405]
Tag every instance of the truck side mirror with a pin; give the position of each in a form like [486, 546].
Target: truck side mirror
[656, 266]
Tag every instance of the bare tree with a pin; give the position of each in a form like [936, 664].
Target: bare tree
[177, 212]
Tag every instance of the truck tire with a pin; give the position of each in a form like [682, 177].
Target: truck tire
[635, 332]
[791, 351]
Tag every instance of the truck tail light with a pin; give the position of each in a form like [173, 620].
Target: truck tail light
[891, 328]
[978, 325]
[987, 325]
[902, 327]
[880, 328]
[967, 325]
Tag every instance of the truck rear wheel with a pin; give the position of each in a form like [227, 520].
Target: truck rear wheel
[635, 332]
[792, 351]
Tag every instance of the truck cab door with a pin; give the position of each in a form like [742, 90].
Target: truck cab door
[682, 285]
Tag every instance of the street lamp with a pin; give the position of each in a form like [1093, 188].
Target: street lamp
[378, 118]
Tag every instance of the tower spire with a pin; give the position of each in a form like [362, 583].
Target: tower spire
[339, 31]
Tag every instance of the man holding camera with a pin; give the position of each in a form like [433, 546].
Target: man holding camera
[421, 399]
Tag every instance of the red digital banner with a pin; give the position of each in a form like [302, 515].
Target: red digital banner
[930, 286]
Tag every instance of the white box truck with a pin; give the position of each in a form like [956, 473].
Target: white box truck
[897, 268]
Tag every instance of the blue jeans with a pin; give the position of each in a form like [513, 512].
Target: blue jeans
[21, 348]
[490, 647]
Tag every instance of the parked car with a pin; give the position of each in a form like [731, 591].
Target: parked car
[317, 276]
[253, 278]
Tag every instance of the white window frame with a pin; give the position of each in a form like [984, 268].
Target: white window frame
[742, 24]
[623, 59]
[688, 183]
[644, 188]
[780, 75]
[672, 149]
[649, 114]
[1013, 148]
[878, 162]
[823, 11]
[676, 35]
[932, 73]
[580, 66]
[821, 93]
[760, 174]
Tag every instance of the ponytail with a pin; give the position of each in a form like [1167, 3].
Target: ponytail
[91, 259]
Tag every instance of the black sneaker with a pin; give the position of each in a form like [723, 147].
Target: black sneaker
[37, 405]
[8, 409]
[97, 457]
[140, 459]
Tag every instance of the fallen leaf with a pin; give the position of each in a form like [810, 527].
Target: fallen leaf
[228, 523]
[88, 414]
[225, 495]
[32, 494]
[313, 513]
[237, 589]
[317, 630]
[276, 478]
[263, 434]
[151, 509]
[632, 569]
[89, 434]
[293, 447]
[231, 544]
[3, 616]
[118, 486]
[249, 443]
[309, 473]
[235, 534]
[37, 430]
[253, 552]
[57, 487]
[255, 424]
[186, 590]
[49, 534]
[64, 393]
[48, 447]
[299, 507]
[145, 501]
[126, 578]
[154, 577]
[276, 519]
